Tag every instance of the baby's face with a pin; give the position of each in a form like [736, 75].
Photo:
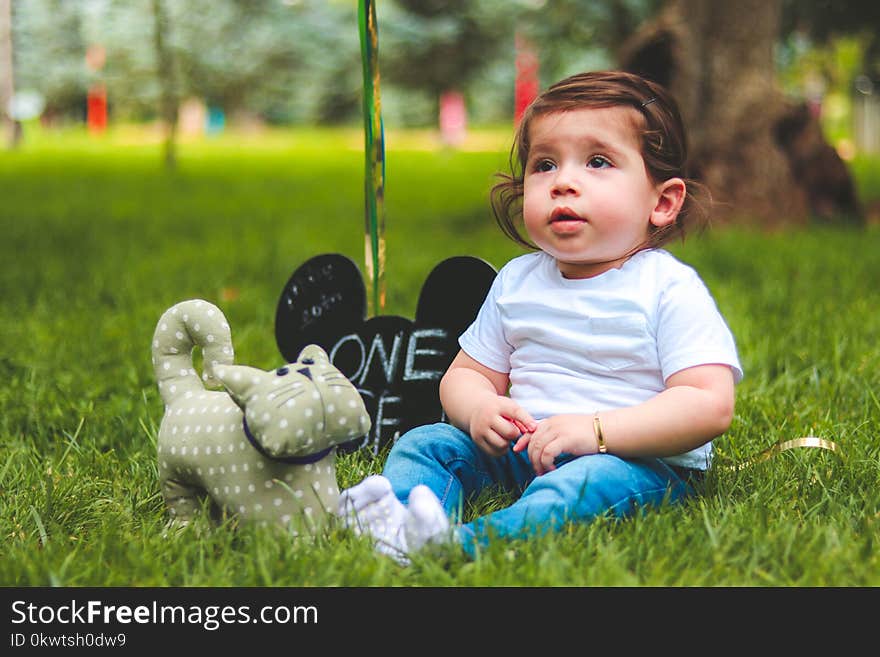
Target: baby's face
[588, 199]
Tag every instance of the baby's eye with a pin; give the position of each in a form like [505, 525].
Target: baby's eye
[542, 166]
[598, 162]
[281, 371]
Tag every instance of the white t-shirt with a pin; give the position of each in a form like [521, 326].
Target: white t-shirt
[584, 345]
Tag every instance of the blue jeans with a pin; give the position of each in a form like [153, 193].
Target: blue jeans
[580, 489]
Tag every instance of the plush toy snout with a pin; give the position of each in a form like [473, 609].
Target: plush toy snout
[298, 409]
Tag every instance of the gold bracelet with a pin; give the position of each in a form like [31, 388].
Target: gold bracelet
[597, 429]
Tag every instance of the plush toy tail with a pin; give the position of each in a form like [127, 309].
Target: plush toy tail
[189, 324]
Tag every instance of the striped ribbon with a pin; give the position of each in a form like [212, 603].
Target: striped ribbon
[374, 151]
[794, 443]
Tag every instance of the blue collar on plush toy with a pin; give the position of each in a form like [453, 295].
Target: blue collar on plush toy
[293, 460]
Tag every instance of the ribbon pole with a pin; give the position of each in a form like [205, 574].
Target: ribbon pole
[374, 152]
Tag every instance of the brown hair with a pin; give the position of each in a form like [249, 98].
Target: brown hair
[663, 146]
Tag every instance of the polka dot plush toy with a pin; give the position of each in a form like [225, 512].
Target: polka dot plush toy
[263, 448]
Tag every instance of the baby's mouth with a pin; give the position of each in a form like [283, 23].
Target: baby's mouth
[565, 214]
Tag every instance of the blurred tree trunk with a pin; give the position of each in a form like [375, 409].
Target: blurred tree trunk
[168, 99]
[7, 77]
[763, 157]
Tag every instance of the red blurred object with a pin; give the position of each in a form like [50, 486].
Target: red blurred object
[527, 83]
[96, 105]
[96, 99]
[453, 118]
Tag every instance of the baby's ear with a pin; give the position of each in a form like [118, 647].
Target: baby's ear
[672, 194]
[239, 381]
[324, 299]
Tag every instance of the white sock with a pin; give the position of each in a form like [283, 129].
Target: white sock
[426, 520]
[370, 508]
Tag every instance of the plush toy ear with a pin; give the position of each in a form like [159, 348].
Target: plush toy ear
[313, 353]
[324, 299]
[453, 293]
[239, 380]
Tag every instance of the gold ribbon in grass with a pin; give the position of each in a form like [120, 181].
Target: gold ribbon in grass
[793, 443]
[374, 150]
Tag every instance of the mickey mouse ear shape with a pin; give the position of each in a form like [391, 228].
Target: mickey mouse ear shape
[324, 299]
[453, 293]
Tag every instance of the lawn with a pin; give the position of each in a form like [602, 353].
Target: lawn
[98, 240]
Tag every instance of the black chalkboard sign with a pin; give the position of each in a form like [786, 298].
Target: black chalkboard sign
[395, 363]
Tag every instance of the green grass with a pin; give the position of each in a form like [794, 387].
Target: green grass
[98, 240]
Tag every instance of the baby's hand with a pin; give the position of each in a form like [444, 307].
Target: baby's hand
[519, 425]
[569, 434]
[497, 423]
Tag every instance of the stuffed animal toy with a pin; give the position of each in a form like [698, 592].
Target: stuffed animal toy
[264, 448]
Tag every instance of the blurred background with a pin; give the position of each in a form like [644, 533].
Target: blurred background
[158, 150]
[780, 96]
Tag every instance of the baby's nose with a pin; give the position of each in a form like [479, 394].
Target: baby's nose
[564, 183]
